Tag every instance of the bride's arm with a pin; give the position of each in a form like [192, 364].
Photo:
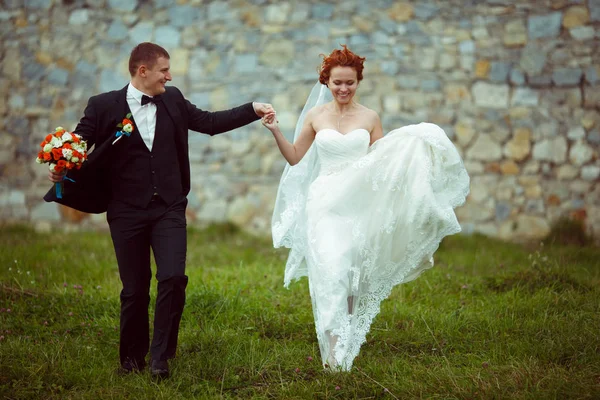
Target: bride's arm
[377, 132]
[293, 153]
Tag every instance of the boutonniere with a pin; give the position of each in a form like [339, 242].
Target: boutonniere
[124, 128]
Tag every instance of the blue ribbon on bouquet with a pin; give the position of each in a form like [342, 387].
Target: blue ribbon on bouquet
[59, 186]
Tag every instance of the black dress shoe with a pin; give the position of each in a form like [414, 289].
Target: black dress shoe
[159, 369]
[129, 366]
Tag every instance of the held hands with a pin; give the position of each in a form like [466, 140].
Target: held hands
[269, 121]
[262, 109]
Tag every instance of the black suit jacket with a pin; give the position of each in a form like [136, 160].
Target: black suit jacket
[91, 190]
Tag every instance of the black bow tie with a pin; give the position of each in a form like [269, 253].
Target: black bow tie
[148, 99]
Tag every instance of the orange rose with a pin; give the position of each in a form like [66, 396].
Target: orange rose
[127, 121]
[61, 163]
[47, 157]
[67, 146]
[59, 133]
[75, 138]
[57, 154]
[48, 138]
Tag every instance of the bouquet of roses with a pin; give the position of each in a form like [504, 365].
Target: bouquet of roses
[62, 151]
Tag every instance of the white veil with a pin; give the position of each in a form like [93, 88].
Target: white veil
[288, 224]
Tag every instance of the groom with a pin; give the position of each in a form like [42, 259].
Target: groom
[141, 181]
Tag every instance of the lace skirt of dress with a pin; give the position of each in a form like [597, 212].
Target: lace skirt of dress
[373, 224]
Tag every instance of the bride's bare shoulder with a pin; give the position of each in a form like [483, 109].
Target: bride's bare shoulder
[315, 113]
[317, 110]
[369, 113]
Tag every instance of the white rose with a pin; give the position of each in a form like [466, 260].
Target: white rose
[128, 128]
[47, 148]
[59, 128]
[39, 160]
[75, 159]
[56, 142]
[67, 137]
[67, 153]
[51, 167]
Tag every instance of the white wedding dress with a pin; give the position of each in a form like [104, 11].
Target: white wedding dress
[361, 219]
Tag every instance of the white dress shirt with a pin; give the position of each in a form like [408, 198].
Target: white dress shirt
[143, 116]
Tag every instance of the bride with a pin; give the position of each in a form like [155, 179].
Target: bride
[361, 212]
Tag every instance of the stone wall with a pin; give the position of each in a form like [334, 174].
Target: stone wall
[514, 84]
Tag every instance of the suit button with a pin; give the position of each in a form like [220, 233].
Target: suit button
[152, 171]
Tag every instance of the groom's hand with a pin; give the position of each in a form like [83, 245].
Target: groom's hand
[54, 177]
[262, 109]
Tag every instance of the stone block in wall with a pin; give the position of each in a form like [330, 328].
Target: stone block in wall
[576, 132]
[71, 215]
[167, 36]
[141, 32]
[515, 34]
[455, 93]
[277, 53]
[519, 147]
[465, 131]
[401, 12]
[183, 15]
[594, 6]
[591, 74]
[482, 69]
[509, 168]
[539, 81]
[213, 212]
[580, 153]
[474, 212]
[490, 95]
[593, 137]
[425, 11]
[582, 33]
[591, 97]
[117, 31]
[567, 172]
[524, 97]
[545, 26]
[533, 60]
[499, 71]
[46, 212]
[123, 5]
[530, 227]
[485, 149]
[554, 149]
[79, 17]
[576, 16]
[590, 173]
[11, 64]
[567, 76]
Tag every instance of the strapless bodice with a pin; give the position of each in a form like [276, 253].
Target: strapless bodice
[336, 149]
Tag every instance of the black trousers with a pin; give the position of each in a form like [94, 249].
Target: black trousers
[135, 232]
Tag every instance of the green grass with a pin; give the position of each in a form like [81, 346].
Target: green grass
[490, 321]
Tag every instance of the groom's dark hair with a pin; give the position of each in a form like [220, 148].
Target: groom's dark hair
[145, 54]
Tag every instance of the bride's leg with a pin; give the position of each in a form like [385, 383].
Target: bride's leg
[332, 341]
[351, 300]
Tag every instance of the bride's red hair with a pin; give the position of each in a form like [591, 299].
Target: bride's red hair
[344, 58]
